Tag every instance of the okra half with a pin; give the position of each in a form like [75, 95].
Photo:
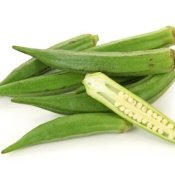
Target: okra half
[136, 63]
[33, 67]
[129, 106]
[148, 89]
[67, 127]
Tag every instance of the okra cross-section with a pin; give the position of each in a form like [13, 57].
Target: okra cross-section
[129, 106]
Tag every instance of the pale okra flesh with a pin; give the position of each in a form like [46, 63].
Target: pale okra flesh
[126, 81]
[34, 67]
[147, 89]
[78, 125]
[136, 63]
[129, 106]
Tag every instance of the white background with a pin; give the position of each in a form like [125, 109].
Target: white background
[41, 23]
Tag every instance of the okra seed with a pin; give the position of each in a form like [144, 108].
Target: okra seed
[121, 108]
[125, 96]
[144, 121]
[159, 118]
[155, 128]
[139, 119]
[138, 105]
[134, 102]
[130, 100]
[160, 131]
[120, 93]
[149, 112]
[164, 121]
[130, 114]
[143, 109]
[135, 116]
[116, 104]
[170, 126]
[154, 115]
[126, 111]
[149, 125]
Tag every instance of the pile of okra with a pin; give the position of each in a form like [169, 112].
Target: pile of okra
[104, 88]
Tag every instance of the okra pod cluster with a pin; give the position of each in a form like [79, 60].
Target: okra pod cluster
[148, 89]
[138, 70]
[34, 67]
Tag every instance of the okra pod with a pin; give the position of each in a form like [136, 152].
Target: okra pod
[78, 125]
[129, 106]
[82, 103]
[153, 40]
[33, 67]
[151, 86]
[49, 84]
[136, 63]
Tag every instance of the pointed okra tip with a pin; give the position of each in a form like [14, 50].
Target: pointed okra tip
[6, 150]
[15, 146]
[26, 50]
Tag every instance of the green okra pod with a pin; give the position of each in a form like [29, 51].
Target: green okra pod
[129, 106]
[151, 86]
[48, 84]
[77, 125]
[153, 40]
[136, 63]
[33, 67]
[82, 103]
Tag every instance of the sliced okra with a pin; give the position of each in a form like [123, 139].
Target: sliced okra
[129, 106]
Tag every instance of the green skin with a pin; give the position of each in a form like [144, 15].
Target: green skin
[152, 86]
[149, 89]
[136, 63]
[34, 67]
[77, 125]
[152, 40]
[47, 84]
[102, 88]
[54, 83]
